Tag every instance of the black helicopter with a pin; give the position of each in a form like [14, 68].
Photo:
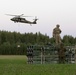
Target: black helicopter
[18, 18]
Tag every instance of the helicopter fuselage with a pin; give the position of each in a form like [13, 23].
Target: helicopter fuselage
[23, 20]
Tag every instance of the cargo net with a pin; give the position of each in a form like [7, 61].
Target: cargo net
[38, 54]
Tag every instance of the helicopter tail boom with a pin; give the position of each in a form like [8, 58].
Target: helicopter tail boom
[34, 22]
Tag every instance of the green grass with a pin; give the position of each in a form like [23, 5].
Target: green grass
[17, 65]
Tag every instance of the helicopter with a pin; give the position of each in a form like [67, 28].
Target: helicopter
[19, 18]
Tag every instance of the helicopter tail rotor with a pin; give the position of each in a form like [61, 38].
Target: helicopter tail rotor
[36, 18]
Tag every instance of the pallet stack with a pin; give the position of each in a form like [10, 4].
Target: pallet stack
[70, 54]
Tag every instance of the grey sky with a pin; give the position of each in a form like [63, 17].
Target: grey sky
[49, 12]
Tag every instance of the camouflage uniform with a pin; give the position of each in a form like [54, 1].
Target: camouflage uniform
[56, 34]
[61, 53]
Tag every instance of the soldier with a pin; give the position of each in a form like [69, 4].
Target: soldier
[56, 34]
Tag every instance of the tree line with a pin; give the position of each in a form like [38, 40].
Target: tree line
[15, 43]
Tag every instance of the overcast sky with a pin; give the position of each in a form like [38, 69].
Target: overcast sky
[49, 13]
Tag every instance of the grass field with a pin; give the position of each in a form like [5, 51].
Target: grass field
[17, 65]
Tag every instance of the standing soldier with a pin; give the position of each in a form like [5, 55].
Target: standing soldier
[56, 34]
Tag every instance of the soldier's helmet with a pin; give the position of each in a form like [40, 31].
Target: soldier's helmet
[57, 25]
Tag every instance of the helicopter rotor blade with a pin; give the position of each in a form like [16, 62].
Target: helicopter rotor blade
[11, 15]
[14, 15]
[27, 16]
[18, 15]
